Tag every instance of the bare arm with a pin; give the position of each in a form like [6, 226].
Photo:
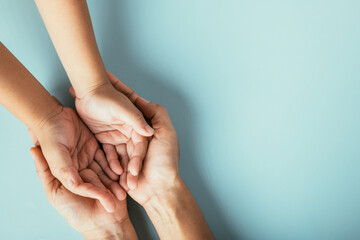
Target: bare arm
[176, 214]
[109, 114]
[161, 191]
[22, 94]
[58, 130]
[69, 25]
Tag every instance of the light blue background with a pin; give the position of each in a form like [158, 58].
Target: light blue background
[264, 95]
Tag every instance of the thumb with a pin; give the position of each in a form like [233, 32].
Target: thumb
[61, 166]
[72, 92]
[136, 119]
[43, 171]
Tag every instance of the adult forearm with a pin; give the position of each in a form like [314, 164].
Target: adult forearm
[69, 25]
[124, 231]
[22, 94]
[176, 215]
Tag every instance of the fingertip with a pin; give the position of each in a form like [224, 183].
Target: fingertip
[123, 182]
[109, 204]
[32, 152]
[72, 179]
[146, 131]
[116, 168]
[71, 183]
[149, 129]
[132, 186]
[109, 209]
[132, 181]
[122, 196]
[134, 171]
[72, 92]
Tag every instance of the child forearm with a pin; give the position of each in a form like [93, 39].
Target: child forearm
[22, 94]
[69, 25]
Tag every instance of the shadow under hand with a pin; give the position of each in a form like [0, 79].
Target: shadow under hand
[120, 60]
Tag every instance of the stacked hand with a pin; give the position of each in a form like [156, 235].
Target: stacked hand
[160, 169]
[75, 157]
[157, 179]
[118, 124]
[87, 160]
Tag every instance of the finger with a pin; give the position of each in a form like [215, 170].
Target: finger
[57, 100]
[132, 181]
[33, 138]
[49, 182]
[123, 155]
[123, 88]
[157, 114]
[114, 187]
[101, 159]
[113, 158]
[135, 118]
[125, 129]
[138, 154]
[94, 188]
[133, 115]
[60, 164]
[72, 92]
[112, 137]
[124, 159]
[123, 182]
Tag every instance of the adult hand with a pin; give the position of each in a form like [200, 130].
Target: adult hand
[160, 169]
[75, 158]
[116, 123]
[86, 215]
[160, 190]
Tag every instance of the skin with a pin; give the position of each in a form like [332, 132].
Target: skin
[108, 113]
[160, 190]
[72, 151]
[85, 215]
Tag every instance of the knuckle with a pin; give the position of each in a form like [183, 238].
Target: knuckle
[138, 117]
[161, 108]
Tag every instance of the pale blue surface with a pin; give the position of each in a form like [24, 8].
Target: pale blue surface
[265, 97]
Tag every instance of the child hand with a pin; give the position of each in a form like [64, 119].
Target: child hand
[115, 121]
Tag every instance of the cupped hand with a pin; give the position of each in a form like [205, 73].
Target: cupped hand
[160, 166]
[117, 124]
[86, 215]
[75, 158]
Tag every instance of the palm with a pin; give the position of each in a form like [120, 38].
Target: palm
[82, 213]
[106, 112]
[71, 149]
[97, 111]
[89, 212]
[113, 118]
[160, 166]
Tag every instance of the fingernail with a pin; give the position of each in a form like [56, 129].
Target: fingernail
[144, 100]
[132, 187]
[110, 210]
[123, 196]
[71, 183]
[149, 129]
[133, 172]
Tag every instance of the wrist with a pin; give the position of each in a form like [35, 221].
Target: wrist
[117, 231]
[93, 83]
[176, 215]
[45, 116]
[165, 203]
